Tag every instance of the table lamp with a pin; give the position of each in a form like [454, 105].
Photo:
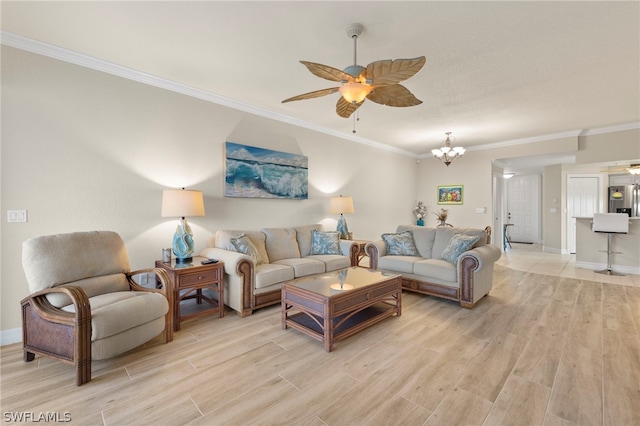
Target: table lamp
[182, 203]
[341, 205]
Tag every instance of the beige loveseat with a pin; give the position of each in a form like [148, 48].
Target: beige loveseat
[253, 280]
[465, 277]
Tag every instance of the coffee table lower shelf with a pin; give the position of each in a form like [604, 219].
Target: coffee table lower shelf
[343, 326]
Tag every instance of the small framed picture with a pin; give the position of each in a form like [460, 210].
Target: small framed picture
[450, 194]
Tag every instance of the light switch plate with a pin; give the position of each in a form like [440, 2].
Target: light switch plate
[16, 216]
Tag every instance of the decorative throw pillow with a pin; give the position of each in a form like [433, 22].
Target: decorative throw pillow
[400, 244]
[458, 244]
[325, 242]
[242, 244]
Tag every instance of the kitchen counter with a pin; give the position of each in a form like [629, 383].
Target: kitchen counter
[591, 247]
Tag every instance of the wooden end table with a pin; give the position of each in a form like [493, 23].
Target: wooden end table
[188, 281]
[361, 254]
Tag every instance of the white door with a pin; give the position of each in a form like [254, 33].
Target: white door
[583, 200]
[523, 208]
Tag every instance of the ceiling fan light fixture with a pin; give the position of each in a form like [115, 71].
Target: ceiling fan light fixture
[446, 153]
[634, 170]
[355, 92]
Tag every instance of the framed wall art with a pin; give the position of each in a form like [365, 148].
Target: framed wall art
[252, 172]
[450, 194]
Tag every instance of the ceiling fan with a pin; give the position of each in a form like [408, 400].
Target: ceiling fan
[633, 169]
[377, 82]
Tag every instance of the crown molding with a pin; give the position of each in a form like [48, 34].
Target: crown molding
[55, 52]
[34, 46]
[611, 129]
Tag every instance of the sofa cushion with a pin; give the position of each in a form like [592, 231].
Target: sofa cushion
[270, 274]
[304, 237]
[281, 243]
[436, 268]
[423, 238]
[445, 233]
[93, 287]
[332, 262]
[303, 266]
[398, 263]
[95, 253]
[325, 242]
[458, 244]
[400, 244]
[242, 244]
[222, 240]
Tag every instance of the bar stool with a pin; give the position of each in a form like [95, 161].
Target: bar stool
[506, 240]
[610, 223]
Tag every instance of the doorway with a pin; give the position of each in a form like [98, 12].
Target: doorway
[523, 209]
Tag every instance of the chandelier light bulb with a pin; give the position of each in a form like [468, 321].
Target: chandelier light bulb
[446, 153]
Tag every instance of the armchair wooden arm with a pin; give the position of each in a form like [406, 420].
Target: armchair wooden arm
[56, 333]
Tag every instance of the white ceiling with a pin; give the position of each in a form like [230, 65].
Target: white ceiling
[495, 71]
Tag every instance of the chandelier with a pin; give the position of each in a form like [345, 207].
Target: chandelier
[446, 153]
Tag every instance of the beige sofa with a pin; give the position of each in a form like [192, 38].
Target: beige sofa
[465, 279]
[283, 254]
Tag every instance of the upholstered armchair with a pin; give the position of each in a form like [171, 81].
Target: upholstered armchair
[84, 303]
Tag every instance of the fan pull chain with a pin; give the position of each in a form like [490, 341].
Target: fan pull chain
[356, 117]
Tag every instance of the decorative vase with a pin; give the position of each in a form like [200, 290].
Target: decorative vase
[420, 222]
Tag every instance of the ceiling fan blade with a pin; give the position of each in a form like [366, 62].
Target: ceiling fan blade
[345, 109]
[388, 72]
[327, 72]
[311, 95]
[395, 95]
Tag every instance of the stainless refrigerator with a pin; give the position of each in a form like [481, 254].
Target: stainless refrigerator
[625, 199]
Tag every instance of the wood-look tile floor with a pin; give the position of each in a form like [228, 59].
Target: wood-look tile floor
[549, 348]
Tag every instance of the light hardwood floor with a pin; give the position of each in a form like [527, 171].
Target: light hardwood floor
[550, 345]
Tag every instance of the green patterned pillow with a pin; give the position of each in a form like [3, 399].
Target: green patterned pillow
[242, 244]
[458, 244]
[400, 244]
[325, 242]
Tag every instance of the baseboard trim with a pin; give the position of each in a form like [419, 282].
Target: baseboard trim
[9, 337]
[600, 266]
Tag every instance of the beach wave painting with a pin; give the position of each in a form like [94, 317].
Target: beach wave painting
[252, 172]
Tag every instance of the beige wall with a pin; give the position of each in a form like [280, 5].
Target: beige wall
[606, 147]
[83, 150]
[552, 209]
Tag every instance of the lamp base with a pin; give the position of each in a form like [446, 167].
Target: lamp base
[183, 242]
[342, 228]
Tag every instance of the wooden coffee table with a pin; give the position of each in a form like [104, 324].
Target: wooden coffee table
[335, 305]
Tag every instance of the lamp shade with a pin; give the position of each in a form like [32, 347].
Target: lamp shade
[182, 203]
[338, 205]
